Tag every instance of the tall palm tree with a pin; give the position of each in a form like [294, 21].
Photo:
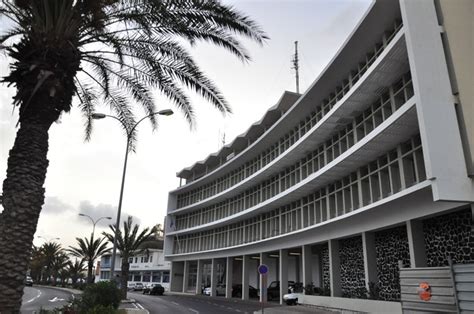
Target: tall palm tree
[75, 270]
[36, 263]
[51, 251]
[128, 244]
[89, 250]
[58, 267]
[102, 51]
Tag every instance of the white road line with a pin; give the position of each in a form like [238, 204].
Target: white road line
[39, 294]
[135, 305]
[140, 306]
[193, 310]
[175, 303]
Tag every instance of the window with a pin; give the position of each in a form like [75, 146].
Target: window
[104, 275]
[137, 276]
[388, 174]
[166, 276]
[146, 276]
[156, 276]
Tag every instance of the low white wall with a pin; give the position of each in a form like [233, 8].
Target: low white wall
[356, 305]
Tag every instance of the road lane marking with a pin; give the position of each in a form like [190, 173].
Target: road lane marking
[39, 294]
[175, 303]
[193, 310]
[56, 299]
[140, 306]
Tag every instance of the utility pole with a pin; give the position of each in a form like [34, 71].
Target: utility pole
[296, 67]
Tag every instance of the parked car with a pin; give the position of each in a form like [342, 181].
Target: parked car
[138, 287]
[290, 298]
[154, 289]
[273, 290]
[237, 291]
[29, 281]
[220, 290]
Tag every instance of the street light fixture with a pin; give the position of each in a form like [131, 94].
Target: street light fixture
[94, 222]
[98, 116]
[48, 239]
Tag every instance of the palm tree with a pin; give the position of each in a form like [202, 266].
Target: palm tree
[128, 244]
[159, 232]
[58, 266]
[36, 263]
[89, 251]
[51, 251]
[102, 51]
[75, 270]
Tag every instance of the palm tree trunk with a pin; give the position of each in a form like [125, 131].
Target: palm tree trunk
[23, 197]
[124, 277]
[89, 272]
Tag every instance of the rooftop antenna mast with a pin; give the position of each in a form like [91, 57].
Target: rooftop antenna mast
[296, 67]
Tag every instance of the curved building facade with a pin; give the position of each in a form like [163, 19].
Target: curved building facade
[333, 188]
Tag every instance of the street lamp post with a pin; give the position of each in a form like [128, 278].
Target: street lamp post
[94, 222]
[165, 112]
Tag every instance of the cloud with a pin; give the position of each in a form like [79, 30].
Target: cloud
[102, 210]
[53, 205]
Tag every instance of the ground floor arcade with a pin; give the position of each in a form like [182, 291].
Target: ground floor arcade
[359, 265]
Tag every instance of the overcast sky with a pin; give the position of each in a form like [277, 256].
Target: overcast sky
[84, 177]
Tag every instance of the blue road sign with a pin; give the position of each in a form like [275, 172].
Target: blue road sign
[263, 269]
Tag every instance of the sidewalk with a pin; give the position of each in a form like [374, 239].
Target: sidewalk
[294, 309]
[127, 305]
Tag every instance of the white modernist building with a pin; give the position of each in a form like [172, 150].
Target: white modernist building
[147, 267]
[372, 165]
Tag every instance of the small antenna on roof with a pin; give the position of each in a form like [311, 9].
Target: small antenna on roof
[296, 67]
[221, 140]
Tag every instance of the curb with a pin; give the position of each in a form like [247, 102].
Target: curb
[70, 290]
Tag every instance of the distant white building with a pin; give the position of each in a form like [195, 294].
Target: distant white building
[146, 267]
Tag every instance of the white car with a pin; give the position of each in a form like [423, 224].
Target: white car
[220, 290]
[290, 298]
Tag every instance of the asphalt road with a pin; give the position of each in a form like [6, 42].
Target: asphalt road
[36, 297]
[189, 304]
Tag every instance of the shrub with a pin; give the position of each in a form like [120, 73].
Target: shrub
[100, 309]
[104, 293]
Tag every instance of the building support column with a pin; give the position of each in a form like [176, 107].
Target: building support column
[442, 147]
[245, 276]
[307, 260]
[213, 277]
[416, 243]
[185, 276]
[229, 271]
[334, 268]
[199, 276]
[176, 276]
[370, 259]
[264, 259]
[283, 274]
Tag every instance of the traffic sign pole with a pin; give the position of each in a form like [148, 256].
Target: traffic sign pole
[263, 271]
